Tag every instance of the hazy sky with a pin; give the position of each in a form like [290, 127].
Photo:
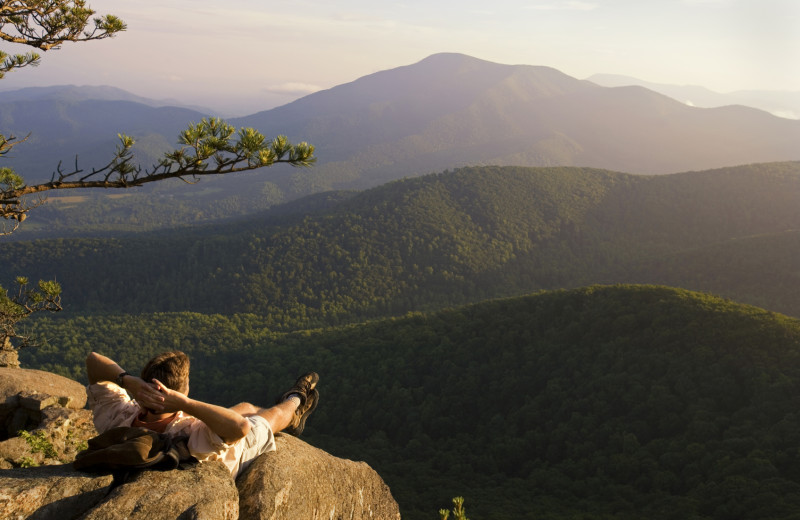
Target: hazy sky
[241, 56]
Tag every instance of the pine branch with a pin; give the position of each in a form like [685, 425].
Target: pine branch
[211, 147]
[18, 305]
[46, 25]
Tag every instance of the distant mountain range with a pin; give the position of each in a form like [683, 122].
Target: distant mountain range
[452, 110]
[90, 93]
[447, 111]
[780, 103]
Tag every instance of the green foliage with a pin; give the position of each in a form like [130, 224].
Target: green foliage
[458, 510]
[46, 25]
[16, 61]
[10, 180]
[214, 139]
[39, 443]
[23, 302]
[27, 462]
[75, 443]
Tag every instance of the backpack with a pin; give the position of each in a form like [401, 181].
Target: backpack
[127, 450]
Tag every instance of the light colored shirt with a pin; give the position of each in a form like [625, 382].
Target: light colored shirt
[112, 406]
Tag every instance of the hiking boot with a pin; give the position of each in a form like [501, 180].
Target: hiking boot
[303, 411]
[302, 387]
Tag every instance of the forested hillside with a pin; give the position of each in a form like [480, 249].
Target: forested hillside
[449, 239]
[623, 402]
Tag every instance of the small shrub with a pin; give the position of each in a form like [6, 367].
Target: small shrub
[39, 443]
[459, 513]
[27, 462]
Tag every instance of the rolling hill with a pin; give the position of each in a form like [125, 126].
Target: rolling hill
[622, 402]
[448, 239]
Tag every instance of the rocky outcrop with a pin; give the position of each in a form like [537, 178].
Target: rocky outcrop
[203, 492]
[300, 481]
[296, 482]
[49, 492]
[60, 493]
[50, 408]
[25, 393]
[69, 393]
[9, 357]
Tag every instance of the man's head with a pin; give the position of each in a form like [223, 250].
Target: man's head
[171, 368]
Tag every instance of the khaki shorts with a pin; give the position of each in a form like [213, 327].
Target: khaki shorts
[259, 439]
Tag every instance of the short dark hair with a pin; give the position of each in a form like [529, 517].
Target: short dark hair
[171, 368]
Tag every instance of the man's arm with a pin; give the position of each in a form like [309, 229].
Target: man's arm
[100, 368]
[229, 425]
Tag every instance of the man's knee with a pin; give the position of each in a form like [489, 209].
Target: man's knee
[245, 409]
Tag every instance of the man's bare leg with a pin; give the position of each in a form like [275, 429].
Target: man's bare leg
[291, 412]
[278, 416]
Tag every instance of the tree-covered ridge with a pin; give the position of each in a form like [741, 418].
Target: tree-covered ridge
[601, 402]
[444, 240]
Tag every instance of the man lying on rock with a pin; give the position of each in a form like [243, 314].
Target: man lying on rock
[159, 400]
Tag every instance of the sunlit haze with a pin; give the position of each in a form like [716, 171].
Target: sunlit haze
[242, 56]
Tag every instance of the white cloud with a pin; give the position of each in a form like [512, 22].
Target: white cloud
[786, 114]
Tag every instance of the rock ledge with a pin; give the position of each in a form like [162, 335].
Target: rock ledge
[296, 482]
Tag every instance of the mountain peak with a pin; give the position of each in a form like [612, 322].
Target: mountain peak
[455, 58]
